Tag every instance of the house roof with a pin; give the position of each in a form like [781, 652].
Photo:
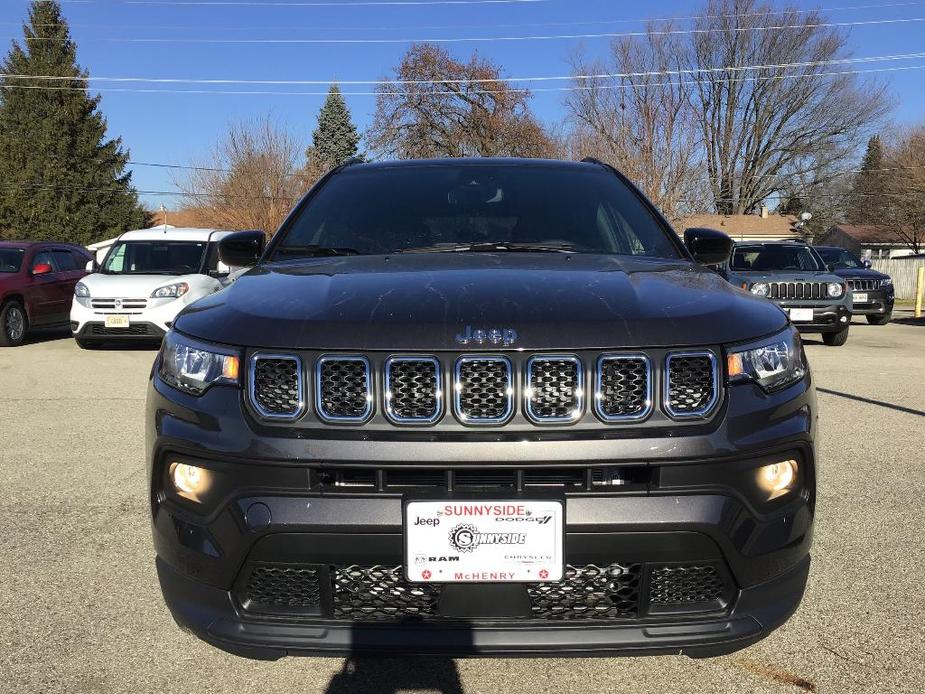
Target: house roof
[752, 226]
[868, 233]
[186, 217]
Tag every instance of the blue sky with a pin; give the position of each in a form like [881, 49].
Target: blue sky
[178, 128]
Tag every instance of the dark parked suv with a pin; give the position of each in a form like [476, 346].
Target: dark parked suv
[481, 407]
[872, 293]
[37, 282]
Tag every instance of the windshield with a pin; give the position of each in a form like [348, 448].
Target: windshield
[11, 259]
[839, 258]
[475, 208]
[780, 257]
[155, 258]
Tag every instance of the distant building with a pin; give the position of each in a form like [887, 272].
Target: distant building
[188, 217]
[866, 240]
[745, 227]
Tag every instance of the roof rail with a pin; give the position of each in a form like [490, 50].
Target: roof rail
[350, 161]
[593, 160]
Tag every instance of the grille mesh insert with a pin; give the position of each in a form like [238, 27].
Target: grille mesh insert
[344, 389]
[589, 592]
[691, 384]
[484, 389]
[685, 585]
[555, 388]
[283, 586]
[276, 386]
[623, 387]
[413, 389]
[380, 593]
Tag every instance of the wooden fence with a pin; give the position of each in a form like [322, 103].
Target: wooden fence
[903, 273]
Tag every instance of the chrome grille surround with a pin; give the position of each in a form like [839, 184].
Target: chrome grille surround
[394, 411]
[702, 410]
[539, 397]
[325, 384]
[599, 394]
[255, 397]
[465, 370]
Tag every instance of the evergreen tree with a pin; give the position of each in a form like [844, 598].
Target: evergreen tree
[336, 138]
[866, 203]
[61, 178]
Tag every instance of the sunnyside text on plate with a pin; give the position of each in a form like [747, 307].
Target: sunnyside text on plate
[484, 541]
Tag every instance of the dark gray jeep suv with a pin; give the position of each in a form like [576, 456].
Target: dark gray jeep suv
[481, 407]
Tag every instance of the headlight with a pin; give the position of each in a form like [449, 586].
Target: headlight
[772, 364]
[81, 290]
[193, 366]
[171, 290]
[836, 289]
[760, 289]
[888, 282]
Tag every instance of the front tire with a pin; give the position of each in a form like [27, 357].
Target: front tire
[13, 324]
[880, 320]
[836, 339]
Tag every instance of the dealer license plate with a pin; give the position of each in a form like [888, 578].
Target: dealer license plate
[860, 297]
[117, 321]
[484, 541]
[801, 314]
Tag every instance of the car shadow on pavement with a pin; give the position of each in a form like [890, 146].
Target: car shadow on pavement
[909, 320]
[38, 335]
[871, 401]
[389, 675]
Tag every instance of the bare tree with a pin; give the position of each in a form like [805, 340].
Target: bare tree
[759, 125]
[642, 124]
[440, 107]
[250, 180]
[905, 188]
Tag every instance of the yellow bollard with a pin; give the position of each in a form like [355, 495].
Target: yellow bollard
[919, 288]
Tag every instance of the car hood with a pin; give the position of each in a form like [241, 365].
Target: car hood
[860, 274]
[127, 286]
[423, 301]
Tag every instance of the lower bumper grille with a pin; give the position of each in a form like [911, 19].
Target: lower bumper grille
[613, 591]
[133, 330]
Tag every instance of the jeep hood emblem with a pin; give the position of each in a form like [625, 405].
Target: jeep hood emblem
[480, 336]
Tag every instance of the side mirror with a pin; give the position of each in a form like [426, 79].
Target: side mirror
[91, 266]
[41, 269]
[708, 246]
[242, 249]
[867, 263]
[830, 267]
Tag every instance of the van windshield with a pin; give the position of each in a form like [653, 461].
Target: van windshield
[155, 258]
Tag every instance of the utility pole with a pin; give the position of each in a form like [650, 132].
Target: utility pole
[164, 212]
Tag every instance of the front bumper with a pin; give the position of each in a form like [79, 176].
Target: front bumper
[879, 302]
[153, 322]
[826, 317]
[271, 509]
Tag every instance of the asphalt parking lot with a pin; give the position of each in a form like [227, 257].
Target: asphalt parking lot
[80, 610]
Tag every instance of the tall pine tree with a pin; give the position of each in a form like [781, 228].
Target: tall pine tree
[866, 203]
[60, 178]
[336, 138]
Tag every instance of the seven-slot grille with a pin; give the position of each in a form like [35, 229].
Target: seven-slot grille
[276, 385]
[624, 387]
[864, 285]
[691, 384]
[799, 290]
[555, 388]
[484, 389]
[343, 389]
[413, 393]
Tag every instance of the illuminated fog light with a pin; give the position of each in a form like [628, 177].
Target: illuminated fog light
[777, 479]
[189, 481]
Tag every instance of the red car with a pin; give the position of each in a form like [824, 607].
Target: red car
[37, 285]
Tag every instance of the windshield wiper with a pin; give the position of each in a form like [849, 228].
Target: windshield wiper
[315, 251]
[492, 247]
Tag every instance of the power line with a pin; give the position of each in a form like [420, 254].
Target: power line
[485, 39]
[503, 80]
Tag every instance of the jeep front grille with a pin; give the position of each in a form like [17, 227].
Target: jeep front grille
[624, 387]
[555, 388]
[276, 386]
[484, 389]
[691, 386]
[799, 290]
[864, 285]
[343, 389]
[413, 390]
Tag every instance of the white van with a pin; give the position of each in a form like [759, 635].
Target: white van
[146, 278]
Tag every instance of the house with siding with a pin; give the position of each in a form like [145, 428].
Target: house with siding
[867, 240]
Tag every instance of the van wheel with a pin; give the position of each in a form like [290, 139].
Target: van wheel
[836, 339]
[880, 320]
[13, 324]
